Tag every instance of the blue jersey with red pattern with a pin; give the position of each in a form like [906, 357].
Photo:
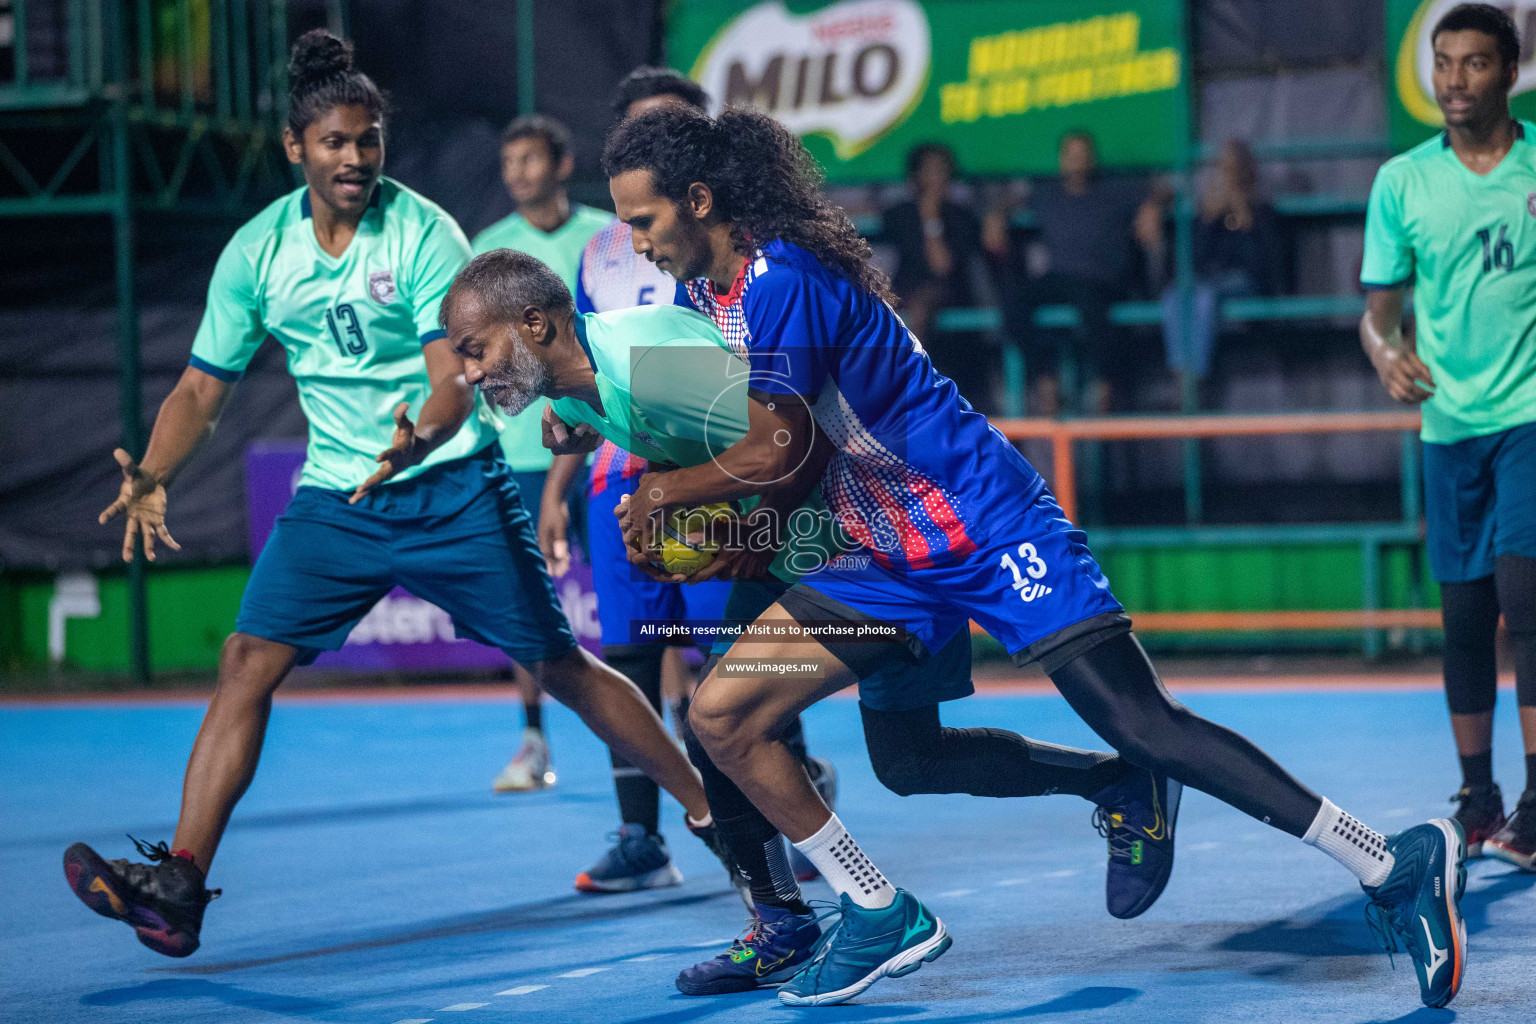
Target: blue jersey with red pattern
[612, 275]
[919, 477]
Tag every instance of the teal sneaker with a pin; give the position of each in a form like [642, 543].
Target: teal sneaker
[865, 946]
[1418, 907]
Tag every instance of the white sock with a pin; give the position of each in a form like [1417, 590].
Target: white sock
[845, 867]
[1342, 837]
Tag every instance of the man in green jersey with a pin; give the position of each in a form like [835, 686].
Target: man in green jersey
[1456, 218]
[663, 382]
[536, 162]
[347, 274]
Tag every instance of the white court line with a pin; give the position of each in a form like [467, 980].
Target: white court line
[582, 972]
[521, 990]
[647, 958]
[1202, 846]
[415, 1020]
[956, 893]
[462, 1006]
[1014, 881]
[712, 942]
[1065, 873]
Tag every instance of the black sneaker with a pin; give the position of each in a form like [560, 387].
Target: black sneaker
[711, 837]
[163, 900]
[1481, 814]
[1515, 843]
[1137, 816]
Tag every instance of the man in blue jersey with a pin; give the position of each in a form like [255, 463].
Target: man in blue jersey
[347, 273]
[953, 525]
[611, 276]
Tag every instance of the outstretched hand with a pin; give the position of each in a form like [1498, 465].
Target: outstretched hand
[405, 451]
[142, 498]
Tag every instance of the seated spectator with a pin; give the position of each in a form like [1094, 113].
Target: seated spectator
[1237, 254]
[1086, 229]
[937, 241]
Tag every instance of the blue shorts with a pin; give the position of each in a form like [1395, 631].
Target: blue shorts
[625, 595]
[457, 535]
[1480, 502]
[896, 683]
[1034, 586]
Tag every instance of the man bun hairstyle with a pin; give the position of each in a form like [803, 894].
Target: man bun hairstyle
[1487, 19]
[647, 81]
[763, 181]
[557, 138]
[506, 282]
[321, 76]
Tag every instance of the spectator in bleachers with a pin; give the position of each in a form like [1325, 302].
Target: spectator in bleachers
[1237, 254]
[938, 242]
[1090, 228]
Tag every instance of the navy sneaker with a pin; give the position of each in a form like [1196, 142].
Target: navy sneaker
[1137, 816]
[824, 778]
[710, 836]
[163, 900]
[773, 947]
[865, 946]
[1418, 907]
[1481, 815]
[638, 860]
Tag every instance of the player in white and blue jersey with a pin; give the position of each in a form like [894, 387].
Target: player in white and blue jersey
[347, 273]
[953, 525]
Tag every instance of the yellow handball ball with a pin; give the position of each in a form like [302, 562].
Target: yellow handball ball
[678, 553]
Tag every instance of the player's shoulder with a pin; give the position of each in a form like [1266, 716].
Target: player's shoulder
[259, 237]
[785, 272]
[1412, 163]
[501, 235]
[591, 217]
[407, 210]
[663, 324]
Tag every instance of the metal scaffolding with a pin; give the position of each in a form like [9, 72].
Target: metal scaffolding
[112, 107]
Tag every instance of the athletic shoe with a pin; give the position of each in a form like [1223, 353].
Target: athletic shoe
[824, 778]
[163, 900]
[711, 837]
[1418, 907]
[1137, 816]
[638, 860]
[771, 949]
[1480, 812]
[529, 768]
[1515, 843]
[865, 946]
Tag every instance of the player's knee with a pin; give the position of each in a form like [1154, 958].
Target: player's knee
[718, 725]
[901, 772]
[248, 666]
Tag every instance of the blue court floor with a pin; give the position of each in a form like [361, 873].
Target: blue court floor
[370, 876]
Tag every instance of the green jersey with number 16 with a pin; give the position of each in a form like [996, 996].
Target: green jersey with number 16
[1467, 244]
[353, 325]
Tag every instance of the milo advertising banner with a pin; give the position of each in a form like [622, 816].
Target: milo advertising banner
[862, 81]
[1412, 113]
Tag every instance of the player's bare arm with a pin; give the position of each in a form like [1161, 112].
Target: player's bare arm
[780, 437]
[555, 512]
[1402, 373]
[186, 419]
[444, 412]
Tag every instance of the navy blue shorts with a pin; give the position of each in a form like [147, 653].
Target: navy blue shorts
[1034, 586]
[457, 536]
[625, 595]
[1480, 502]
[897, 681]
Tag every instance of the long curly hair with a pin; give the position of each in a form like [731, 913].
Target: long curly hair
[765, 183]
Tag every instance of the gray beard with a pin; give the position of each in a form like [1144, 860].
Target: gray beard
[518, 382]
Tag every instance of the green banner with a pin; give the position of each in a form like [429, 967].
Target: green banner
[999, 81]
[1411, 111]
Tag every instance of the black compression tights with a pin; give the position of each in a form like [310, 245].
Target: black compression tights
[912, 752]
[1115, 689]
